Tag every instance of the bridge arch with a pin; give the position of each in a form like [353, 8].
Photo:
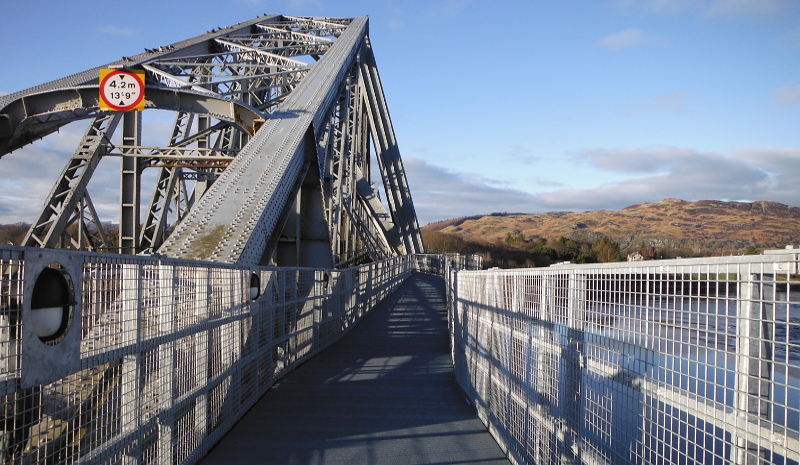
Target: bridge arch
[31, 117]
[301, 130]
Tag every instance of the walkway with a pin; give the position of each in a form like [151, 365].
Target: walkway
[385, 394]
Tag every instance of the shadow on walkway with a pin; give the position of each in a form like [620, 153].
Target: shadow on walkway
[385, 394]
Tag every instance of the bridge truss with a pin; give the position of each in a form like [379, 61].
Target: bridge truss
[277, 122]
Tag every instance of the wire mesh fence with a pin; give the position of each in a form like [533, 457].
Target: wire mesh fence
[141, 360]
[115, 359]
[682, 361]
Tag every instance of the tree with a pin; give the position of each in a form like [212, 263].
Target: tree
[13, 233]
[607, 250]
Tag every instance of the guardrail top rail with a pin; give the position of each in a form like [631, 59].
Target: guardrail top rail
[145, 359]
[678, 361]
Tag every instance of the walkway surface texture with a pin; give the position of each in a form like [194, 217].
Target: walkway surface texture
[385, 394]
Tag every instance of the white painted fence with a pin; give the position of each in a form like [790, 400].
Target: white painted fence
[681, 361]
[140, 360]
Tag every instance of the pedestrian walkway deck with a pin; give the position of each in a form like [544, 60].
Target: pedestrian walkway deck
[385, 394]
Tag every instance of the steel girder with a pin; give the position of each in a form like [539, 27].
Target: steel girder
[274, 119]
[391, 166]
[69, 191]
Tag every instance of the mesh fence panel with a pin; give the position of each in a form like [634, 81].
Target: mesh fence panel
[683, 361]
[154, 359]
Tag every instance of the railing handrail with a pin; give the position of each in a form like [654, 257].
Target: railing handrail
[155, 358]
[777, 256]
[636, 361]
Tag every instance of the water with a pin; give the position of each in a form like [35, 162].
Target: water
[688, 343]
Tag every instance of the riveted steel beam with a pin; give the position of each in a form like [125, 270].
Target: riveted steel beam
[235, 219]
[70, 187]
[255, 103]
[36, 116]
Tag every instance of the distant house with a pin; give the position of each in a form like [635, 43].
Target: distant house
[635, 257]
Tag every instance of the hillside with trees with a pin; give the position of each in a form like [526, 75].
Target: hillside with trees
[15, 233]
[667, 229]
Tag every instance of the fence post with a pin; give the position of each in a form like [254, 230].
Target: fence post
[130, 408]
[573, 376]
[165, 362]
[754, 366]
[232, 336]
[202, 291]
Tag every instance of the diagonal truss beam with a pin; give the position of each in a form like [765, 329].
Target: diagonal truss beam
[70, 189]
[233, 221]
[391, 166]
[255, 103]
[36, 116]
[91, 235]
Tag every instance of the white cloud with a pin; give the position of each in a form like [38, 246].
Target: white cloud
[115, 30]
[634, 160]
[788, 95]
[447, 8]
[30, 172]
[624, 39]
[315, 4]
[650, 175]
[34, 172]
[673, 102]
[752, 174]
[747, 8]
[522, 155]
[740, 9]
[782, 169]
[653, 175]
[440, 193]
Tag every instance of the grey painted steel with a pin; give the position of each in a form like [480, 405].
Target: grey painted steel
[236, 218]
[683, 361]
[130, 185]
[391, 165]
[90, 230]
[254, 102]
[194, 46]
[34, 116]
[675, 361]
[384, 394]
[70, 189]
[163, 356]
[377, 213]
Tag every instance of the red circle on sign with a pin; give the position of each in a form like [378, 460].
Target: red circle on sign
[108, 101]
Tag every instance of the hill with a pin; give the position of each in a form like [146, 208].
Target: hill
[702, 228]
[663, 229]
[15, 233]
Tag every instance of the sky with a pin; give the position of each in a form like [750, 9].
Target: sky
[509, 106]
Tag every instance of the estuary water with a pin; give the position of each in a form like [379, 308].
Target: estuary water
[691, 343]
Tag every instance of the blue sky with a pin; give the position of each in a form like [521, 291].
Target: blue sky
[519, 106]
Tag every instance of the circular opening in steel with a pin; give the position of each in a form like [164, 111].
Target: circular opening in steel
[51, 304]
[255, 286]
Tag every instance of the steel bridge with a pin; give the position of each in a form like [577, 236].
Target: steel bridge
[269, 160]
[265, 241]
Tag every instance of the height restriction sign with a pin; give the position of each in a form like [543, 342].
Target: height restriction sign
[121, 90]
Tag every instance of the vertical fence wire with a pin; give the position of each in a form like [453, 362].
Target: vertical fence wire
[157, 359]
[688, 361]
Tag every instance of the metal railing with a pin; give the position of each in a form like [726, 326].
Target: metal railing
[138, 360]
[681, 361]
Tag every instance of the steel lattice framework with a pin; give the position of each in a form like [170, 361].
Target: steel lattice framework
[276, 121]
